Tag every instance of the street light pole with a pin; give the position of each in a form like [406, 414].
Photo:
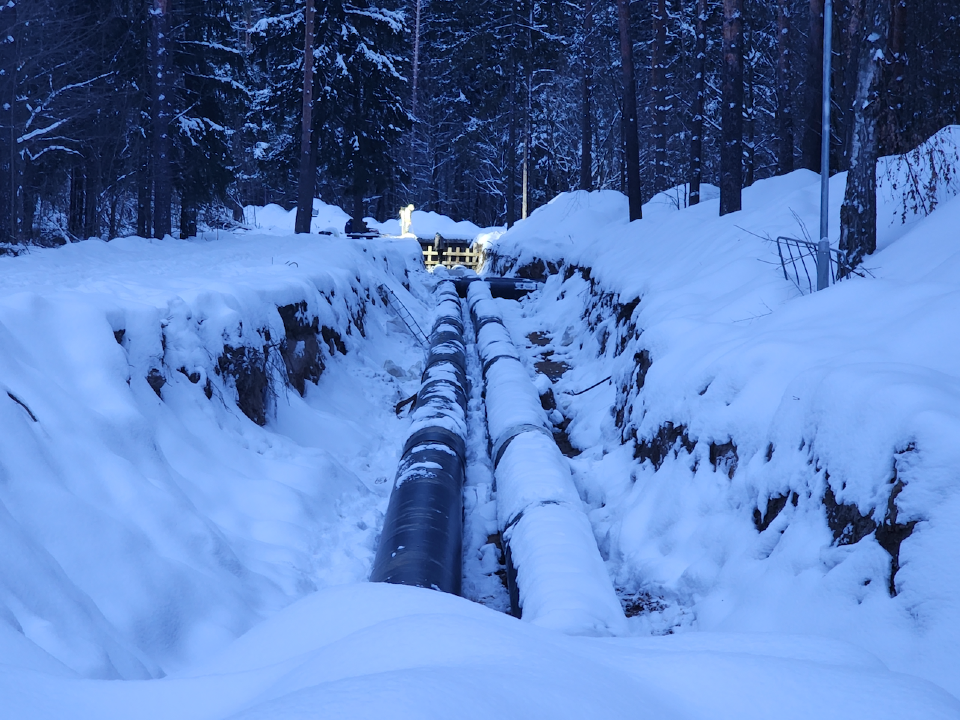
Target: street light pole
[823, 247]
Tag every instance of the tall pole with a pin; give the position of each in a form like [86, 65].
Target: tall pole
[823, 247]
[416, 60]
[308, 171]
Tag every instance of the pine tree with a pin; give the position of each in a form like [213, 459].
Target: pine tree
[366, 71]
[731, 153]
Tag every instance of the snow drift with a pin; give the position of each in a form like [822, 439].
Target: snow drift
[763, 461]
[146, 517]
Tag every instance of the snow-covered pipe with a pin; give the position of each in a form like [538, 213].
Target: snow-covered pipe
[560, 576]
[423, 529]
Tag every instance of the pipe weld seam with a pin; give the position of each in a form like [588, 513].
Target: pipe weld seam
[519, 516]
[500, 447]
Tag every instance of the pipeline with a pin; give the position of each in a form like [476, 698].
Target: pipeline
[557, 576]
[422, 531]
[500, 287]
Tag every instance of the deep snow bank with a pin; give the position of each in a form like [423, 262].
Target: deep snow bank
[400, 652]
[146, 516]
[332, 220]
[763, 461]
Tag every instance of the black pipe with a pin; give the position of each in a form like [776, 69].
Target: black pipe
[508, 288]
[422, 537]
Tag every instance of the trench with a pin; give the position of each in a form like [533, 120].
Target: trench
[539, 542]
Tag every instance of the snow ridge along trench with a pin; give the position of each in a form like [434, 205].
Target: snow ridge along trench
[561, 579]
[422, 538]
[188, 451]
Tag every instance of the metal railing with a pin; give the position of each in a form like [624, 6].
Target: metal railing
[795, 253]
[390, 297]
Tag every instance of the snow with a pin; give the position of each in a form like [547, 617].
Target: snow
[407, 652]
[427, 224]
[140, 532]
[274, 219]
[331, 219]
[561, 578]
[165, 556]
[851, 389]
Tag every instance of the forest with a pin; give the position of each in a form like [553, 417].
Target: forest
[159, 117]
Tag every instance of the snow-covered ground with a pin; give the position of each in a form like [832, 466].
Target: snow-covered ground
[146, 520]
[752, 439]
[332, 220]
[185, 535]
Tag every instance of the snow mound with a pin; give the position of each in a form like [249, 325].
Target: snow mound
[402, 652]
[148, 518]
[763, 460]
[426, 225]
[272, 218]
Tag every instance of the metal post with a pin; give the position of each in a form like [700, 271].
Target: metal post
[823, 247]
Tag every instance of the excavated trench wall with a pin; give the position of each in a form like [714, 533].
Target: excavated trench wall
[245, 361]
[615, 322]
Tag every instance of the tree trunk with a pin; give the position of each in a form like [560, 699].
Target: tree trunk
[658, 94]
[586, 124]
[91, 217]
[188, 219]
[631, 142]
[359, 187]
[848, 19]
[75, 213]
[527, 117]
[9, 177]
[308, 171]
[162, 114]
[858, 214]
[784, 91]
[144, 194]
[512, 160]
[699, 89]
[813, 97]
[731, 150]
[416, 59]
[891, 140]
[512, 132]
[749, 113]
[29, 213]
[359, 169]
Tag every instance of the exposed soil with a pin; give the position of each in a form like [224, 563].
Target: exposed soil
[540, 339]
[553, 369]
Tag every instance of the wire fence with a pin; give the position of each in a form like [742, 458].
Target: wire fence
[799, 261]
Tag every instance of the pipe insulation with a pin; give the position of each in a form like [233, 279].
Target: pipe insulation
[560, 575]
[422, 537]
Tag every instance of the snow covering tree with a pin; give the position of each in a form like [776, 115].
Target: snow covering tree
[210, 60]
[360, 86]
[368, 80]
[150, 116]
